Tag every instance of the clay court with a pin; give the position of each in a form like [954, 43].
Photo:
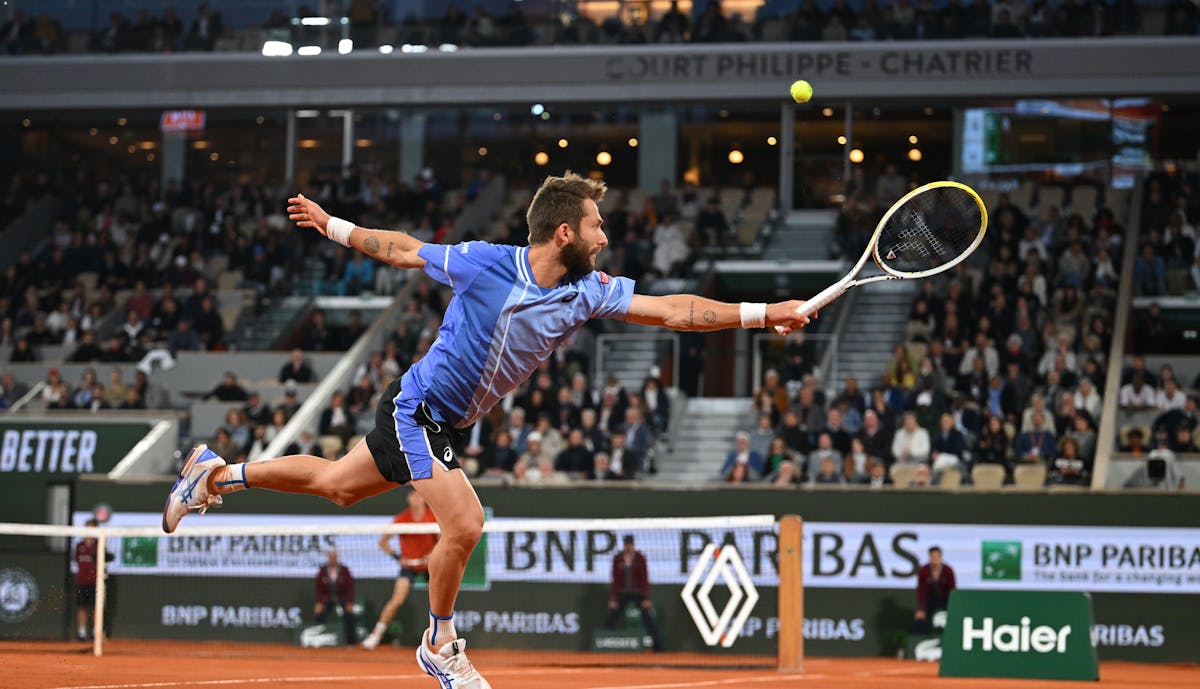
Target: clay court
[177, 666]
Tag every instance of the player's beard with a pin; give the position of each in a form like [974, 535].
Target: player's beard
[577, 258]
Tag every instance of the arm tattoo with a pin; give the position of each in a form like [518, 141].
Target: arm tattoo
[710, 316]
[692, 314]
[371, 244]
[389, 250]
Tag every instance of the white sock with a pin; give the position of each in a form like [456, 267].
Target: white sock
[441, 630]
[229, 479]
[83, 631]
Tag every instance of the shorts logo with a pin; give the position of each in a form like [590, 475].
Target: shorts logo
[18, 594]
[448, 455]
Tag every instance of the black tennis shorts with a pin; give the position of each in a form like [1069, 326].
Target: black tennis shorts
[85, 594]
[408, 441]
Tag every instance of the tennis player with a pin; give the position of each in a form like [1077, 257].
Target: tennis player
[413, 556]
[512, 306]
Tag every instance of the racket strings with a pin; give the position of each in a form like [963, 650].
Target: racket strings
[930, 230]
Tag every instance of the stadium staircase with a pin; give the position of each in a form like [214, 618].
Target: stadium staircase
[262, 331]
[805, 235]
[703, 430]
[874, 323]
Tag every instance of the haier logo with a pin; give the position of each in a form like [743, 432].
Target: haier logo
[1011, 638]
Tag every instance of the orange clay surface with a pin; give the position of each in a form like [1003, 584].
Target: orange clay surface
[170, 665]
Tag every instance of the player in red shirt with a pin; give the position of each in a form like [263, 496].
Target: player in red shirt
[413, 557]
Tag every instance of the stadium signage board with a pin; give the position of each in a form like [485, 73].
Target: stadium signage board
[837, 554]
[842, 64]
[1033, 634]
[56, 449]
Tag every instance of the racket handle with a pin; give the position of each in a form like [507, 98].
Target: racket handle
[825, 296]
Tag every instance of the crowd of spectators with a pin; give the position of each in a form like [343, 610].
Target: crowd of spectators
[1002, 362]
[708, 22]
[1168, 261]
[128, 267]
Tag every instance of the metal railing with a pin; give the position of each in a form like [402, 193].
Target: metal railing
[769, 350]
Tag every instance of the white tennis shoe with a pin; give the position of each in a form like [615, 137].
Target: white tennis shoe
[450, 666]
[190, 491]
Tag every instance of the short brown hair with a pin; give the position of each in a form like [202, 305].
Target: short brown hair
[560, 200]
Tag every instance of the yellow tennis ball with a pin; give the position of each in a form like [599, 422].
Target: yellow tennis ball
[801, 91]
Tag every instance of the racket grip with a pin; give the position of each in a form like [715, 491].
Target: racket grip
[820, 300]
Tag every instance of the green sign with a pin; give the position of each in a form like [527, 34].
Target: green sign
[1001, 561]
[1032, 634]
[65, 449]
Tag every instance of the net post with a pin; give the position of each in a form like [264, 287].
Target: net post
[101, 594]
[791, 595]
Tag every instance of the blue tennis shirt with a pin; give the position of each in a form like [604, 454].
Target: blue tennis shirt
[499, 325]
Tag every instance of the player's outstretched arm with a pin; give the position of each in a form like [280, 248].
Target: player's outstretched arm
[395, 248]
[691, 312]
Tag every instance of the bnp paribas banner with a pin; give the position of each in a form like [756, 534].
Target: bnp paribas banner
[836, 554]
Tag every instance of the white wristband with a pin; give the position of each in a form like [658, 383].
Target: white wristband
[754, 314]
[339, 230]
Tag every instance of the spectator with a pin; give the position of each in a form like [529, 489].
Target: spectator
[878, 476]
[1086, 397]
[335, 591]
[772, 398]
[297, 369]
[183, 339]
[305, 445]
[741, 456]
[856, 464]
[114, 392]
[1036, 444]
[337, 419]
[777, 453]
[622, 461]
[256, 410]
[223, 444]
[825, 450]
[949, 446]
[658, 404]
[1170, 397]
[711, 225]
[575, 460]
[290, 402]
[1149, 273]
[827, 472]
[1084, 434]
[877, 440]
[1137, 395]
[786, 474]
[762, 436]
[1070, 468]
[911, 441]
[229, 390]
[935, 581]
[209, 326]
[206, 29]
[638, 438]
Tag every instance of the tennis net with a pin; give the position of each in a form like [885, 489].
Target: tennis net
[543, 591]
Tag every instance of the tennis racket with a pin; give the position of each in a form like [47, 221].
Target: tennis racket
[930, 230]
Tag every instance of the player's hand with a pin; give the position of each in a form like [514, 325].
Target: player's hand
[920, 614]
[785, 316]
[308, 213]
[612, 603]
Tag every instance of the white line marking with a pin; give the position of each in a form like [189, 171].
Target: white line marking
[716, 682]
[284, 680]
